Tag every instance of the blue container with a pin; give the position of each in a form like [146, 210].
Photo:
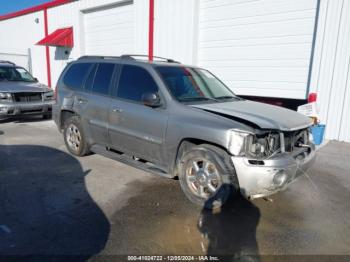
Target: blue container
[318, 133]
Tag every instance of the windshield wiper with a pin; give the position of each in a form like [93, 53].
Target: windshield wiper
[227, 97]
[198, 98]
[20, 80]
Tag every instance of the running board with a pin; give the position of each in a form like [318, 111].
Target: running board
[145, 166]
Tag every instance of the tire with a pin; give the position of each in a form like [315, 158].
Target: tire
[212, 180]
[74, 137]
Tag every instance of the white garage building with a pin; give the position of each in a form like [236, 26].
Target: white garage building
[282, 49]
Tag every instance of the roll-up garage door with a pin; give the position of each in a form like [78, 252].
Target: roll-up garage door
[110, 30]
[258, 47]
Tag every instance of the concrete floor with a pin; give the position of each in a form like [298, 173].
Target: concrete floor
[54, 204]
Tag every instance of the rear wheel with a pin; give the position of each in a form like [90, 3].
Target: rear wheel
[74, 137]
[207, 176]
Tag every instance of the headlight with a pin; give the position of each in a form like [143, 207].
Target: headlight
[49, 95]
[237, 142]
[6, 97]
[257, 146]
[253, 145]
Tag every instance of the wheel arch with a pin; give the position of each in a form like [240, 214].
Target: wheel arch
[184, 145]
[65, 114]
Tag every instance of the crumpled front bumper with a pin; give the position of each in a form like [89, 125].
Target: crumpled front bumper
[260, 180]
[30, 108]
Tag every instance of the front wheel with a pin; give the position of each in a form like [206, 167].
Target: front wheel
[74, 137]
[207, 176]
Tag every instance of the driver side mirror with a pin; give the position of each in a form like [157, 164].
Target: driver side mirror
[36, 79]
[151, 100]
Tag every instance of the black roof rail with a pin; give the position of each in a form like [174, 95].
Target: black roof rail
[7, 62]
[96, 56]
[131, 57]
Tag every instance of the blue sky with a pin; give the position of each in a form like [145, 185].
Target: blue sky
[9, 6]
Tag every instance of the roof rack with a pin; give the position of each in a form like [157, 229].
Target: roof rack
[128, 57]
[96, 56]
[7, 62]
[131, 57]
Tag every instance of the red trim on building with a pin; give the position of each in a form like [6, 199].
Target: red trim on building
[35, 9]
[60, 37]
[47, 50]
[151, 30]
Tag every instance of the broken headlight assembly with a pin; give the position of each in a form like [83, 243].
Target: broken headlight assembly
[257, 146]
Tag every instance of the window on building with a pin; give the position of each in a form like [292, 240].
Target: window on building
[134, 82]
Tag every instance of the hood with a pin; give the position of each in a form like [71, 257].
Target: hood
[16, 87]
[258, 114]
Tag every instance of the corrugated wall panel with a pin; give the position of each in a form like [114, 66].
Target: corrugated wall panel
[19, 57]
[344, 134]
[72, 15]
[59, 17]
[330, 77]
[110, 31]
[175, 29]
[20, 33]
[259, 48]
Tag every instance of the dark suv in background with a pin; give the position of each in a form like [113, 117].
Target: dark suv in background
[22, 94]
[181, 121]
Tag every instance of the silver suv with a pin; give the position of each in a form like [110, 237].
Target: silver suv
[181, 121]
[22, 94]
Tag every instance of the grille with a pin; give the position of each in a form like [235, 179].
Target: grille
[293, 139]
[27, 97]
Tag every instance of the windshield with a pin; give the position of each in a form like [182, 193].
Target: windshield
[15, 74]
[192, 84]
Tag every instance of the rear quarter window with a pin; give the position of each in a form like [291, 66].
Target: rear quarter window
[76, 74]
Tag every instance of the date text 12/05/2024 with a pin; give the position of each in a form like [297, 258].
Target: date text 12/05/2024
[173, 258]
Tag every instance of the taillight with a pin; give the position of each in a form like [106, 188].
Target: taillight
[312, 97]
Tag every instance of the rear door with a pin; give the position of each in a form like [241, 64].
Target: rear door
[98, 99]
[133, 127]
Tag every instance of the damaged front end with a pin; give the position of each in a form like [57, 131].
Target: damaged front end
[268, 160]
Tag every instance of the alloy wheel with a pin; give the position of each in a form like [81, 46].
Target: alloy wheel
[203, 178]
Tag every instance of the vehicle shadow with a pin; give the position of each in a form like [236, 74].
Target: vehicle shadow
[231, 231]
[46, 212]
[23, 119]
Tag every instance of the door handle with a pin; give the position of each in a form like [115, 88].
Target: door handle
[117, 110]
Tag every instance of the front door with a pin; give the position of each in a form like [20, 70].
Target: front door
[134, 128]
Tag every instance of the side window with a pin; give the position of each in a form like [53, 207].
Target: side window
[134, 82]
[103, 78]
[75, 75]
[90, 79]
